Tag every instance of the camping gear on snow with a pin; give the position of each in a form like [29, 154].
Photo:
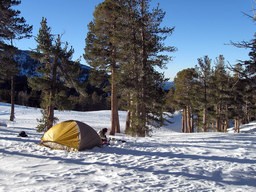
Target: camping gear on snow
[22, 134]
[71, 135]
[119, 140]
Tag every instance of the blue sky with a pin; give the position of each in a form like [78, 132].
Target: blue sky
[202, 27]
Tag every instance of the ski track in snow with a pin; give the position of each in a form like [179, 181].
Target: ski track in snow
[167, 161]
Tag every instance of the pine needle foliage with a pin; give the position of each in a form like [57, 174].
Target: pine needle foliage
[56, 72]
[126, 40]
[13, 27]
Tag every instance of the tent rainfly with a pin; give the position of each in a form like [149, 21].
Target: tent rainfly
[72, 136]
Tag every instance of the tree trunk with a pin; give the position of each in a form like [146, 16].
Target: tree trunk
[191, 123]
[183, 121]
[128, 120]
[226, 119]
[237, 125]
[115, 126]
[142, 109]
[50, 111]
[12, 99]
[50, 117]
[217, 124]
[204, 120]
[188, 119]
[52, 97]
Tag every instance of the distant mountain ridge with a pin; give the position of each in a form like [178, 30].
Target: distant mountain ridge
[28, 65]
[168, 85]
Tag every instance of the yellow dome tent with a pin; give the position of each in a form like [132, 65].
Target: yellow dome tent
[71, 135]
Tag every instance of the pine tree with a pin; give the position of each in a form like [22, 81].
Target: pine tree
[238, 102]
[132, 60]
[247, 73]
[144, 49]
[103, 49]
[248, 66]
[56, 72]
[13, 27]
[185, 84]
[204, 77]
[221, 94]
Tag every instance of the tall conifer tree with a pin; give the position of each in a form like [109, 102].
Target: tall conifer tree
[151, 44]
[125, 39]
[102, 50]
[56, 72]
[247, 73]
[221, 94]
[185, 88]
[238, 89]
[204, 72]
[13, 27]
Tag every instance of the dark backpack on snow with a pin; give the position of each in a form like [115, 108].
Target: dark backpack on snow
[22, 134]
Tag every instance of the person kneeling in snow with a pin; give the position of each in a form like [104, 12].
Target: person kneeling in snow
[102, 134]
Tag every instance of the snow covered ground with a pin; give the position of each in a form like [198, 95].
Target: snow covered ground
[167, 161]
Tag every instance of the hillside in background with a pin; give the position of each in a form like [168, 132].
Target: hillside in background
[95, 99]
[28, 65]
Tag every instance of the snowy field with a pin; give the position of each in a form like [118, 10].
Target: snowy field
[167, 161]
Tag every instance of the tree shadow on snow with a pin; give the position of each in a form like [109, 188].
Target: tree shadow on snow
[214, 177]
[16, 130]
[170, 155]
[19, 139]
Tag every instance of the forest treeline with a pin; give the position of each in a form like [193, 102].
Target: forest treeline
[96, 98]
[125, 47]
[214, 96]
